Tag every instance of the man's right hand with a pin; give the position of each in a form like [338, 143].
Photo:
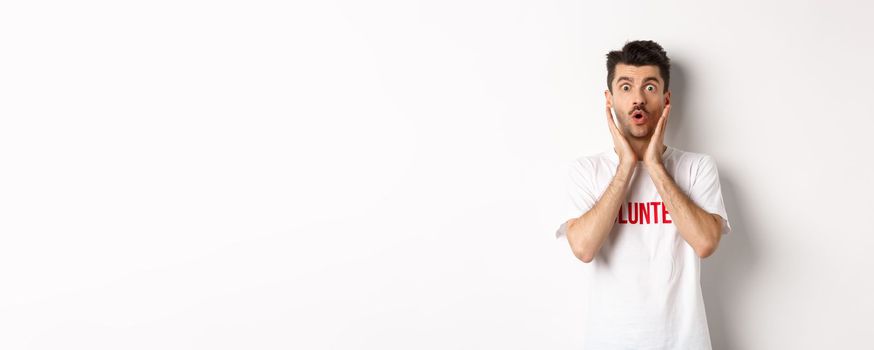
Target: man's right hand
[623, 148]
[587, 233]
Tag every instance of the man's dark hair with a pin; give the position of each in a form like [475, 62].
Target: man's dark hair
[639, 53]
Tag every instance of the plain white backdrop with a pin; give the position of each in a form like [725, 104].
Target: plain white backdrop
[390, 174]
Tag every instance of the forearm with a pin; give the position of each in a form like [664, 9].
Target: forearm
[587, 233]
[698, 227]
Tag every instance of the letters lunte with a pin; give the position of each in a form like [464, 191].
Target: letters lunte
[643, 213]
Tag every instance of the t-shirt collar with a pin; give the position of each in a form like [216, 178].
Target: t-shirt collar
[667, 153]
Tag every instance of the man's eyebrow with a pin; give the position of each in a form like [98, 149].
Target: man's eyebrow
[632, 80]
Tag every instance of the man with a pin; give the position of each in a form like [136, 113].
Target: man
[643, 215]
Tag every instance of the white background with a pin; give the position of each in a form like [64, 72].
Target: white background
[389, 175]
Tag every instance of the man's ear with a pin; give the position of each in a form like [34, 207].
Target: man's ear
[609, 98]
[668, 98]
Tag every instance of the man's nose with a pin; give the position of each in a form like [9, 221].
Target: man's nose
[638, 100]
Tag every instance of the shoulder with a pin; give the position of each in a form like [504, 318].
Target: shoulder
[698, 166]
[694, 159]
[591, 162]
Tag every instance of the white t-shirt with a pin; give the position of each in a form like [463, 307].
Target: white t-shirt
[644, 282]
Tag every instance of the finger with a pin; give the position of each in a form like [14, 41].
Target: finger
[666, 111]
[656, 135]
[660, 128]
[611, 124]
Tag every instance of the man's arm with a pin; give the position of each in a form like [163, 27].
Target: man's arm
[587, 233]
[702, 230]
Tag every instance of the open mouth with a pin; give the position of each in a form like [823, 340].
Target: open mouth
[638, 116]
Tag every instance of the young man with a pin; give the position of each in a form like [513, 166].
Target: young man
[643, 215]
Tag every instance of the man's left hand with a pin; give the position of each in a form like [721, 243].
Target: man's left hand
[653, 155]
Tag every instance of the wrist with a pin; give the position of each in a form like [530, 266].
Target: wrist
[653, 165]
[626, 168]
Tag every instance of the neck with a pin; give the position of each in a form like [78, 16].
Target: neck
[639, 147]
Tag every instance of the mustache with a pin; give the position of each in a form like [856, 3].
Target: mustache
[638, 108]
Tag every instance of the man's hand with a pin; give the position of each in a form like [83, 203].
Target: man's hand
[623, 148]
[653, 154]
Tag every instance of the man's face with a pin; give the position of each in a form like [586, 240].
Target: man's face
[638, 99]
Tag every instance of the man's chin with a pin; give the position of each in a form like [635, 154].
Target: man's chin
[643, 134]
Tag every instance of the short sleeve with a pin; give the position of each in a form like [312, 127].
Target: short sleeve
[706, 191]
[580, 196]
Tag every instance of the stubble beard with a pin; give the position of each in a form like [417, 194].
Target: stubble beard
[643, 134]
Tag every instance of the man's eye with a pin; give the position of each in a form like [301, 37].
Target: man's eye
[624, 87]
[650, 88]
